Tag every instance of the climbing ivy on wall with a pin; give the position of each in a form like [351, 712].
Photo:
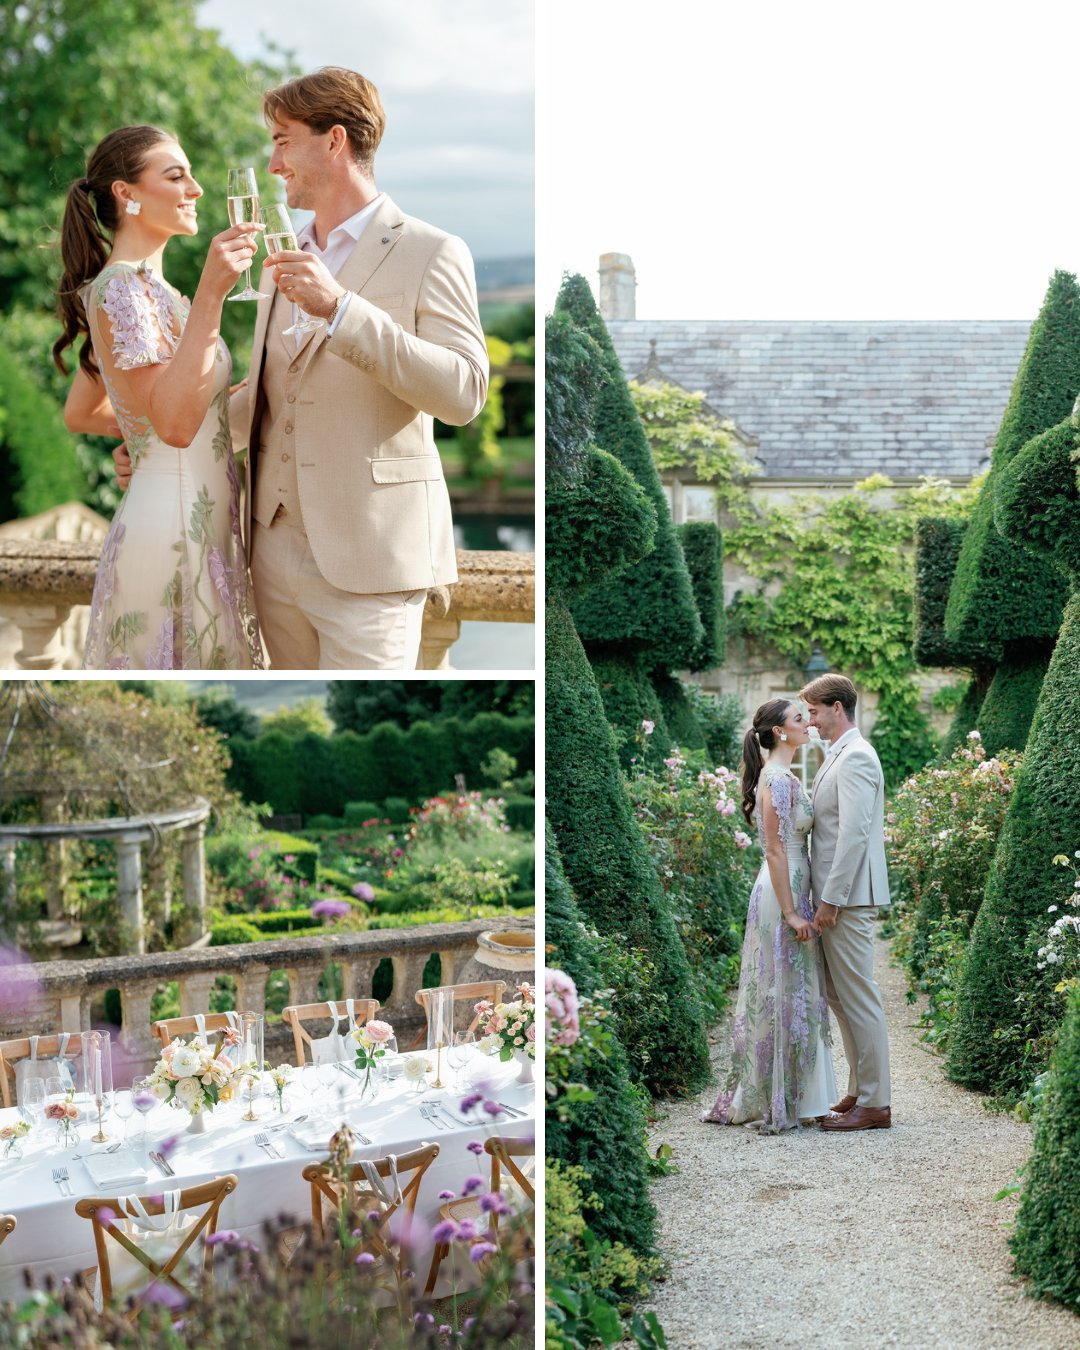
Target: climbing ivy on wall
[683, 432]
[839, 570]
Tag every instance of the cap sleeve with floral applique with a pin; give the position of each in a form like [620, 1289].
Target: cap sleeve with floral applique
[784, 791]
[142, 312]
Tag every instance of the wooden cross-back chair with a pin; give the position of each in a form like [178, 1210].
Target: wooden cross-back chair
[169, 1028]
[493, 990]
[48, 1047]
[504, 1153]
[7, 1226]
[209, 1193]
[326, 1187]
[298, 1013]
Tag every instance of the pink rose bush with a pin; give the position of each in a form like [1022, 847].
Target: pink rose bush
[505, 1027]
[562, 1026]
[191, 1076]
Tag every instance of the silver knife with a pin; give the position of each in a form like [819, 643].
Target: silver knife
[159, 1159]
[513, 1110]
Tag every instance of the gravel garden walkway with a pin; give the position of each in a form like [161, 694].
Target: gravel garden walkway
[878, 1238]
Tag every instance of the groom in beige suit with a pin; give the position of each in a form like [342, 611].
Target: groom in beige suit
[348, 516]
[850, 882]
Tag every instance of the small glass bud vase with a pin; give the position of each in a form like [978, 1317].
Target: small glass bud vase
[11, 1150]
[67, 1134]
[282, 1104]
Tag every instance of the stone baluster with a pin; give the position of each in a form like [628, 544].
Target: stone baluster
[7, 870]
[408, 978]
[251, 988]
[74, 1011]
[136, 1036]
[195, 990]
[358, 974]
[304, 983]
[41, 630]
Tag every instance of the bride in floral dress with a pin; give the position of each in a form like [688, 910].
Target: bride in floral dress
[172, 590]
[781, 1068]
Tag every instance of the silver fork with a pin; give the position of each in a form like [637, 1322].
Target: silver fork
[429, 1111]
[60, 1176]
[263, 1141]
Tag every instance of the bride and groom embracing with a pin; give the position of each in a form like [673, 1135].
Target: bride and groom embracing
[367, 328]
[809, 943]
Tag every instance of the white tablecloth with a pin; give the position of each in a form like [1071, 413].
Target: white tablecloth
[51, 1237]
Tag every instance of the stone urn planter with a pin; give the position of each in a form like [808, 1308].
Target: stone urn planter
[509, 954]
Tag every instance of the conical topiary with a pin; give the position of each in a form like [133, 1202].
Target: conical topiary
[1039, 504]
[1002, 593]
[650, 605]
[703, 548]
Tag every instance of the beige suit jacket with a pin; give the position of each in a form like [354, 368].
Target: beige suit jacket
[409, 348]
[847, 844]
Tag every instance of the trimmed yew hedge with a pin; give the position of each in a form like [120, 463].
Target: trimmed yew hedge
[1002, 593]
[607, 864]
[967, 716]
[630, 698]
[651, 603]
[1004, 720]
[987, 1051]
[1046, 1238]
[938, 540]
[679, 717]
[703, 548]
[605, 1135]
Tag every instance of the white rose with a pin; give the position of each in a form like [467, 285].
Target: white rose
[487, 1045]
[189, 1093]
[186, 1062]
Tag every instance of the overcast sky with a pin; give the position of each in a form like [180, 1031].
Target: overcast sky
[794, 161]
[457, 84]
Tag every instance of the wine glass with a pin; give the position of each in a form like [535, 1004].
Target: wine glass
[144, 1099]
[460, 1050]
[279, 236]
[123, 1107]
[32, 1103]
[243, 192]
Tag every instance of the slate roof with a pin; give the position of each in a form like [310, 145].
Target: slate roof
[842, 400]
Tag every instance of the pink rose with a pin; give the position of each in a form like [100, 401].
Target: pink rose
[379, 1032]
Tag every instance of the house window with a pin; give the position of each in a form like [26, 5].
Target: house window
[699, 503]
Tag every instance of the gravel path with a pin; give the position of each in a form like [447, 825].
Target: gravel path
[878, 1238]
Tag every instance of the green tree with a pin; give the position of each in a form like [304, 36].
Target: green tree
[304, 716]
[217, 707]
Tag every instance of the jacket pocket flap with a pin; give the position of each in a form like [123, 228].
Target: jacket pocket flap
[406, 469]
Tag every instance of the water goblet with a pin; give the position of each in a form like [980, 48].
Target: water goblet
[144, 1099]
[123, 1107]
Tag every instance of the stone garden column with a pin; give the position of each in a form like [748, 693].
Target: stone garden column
[7, 870]
[194, 855]
[129, 878]
[251, 987]
[195, 992]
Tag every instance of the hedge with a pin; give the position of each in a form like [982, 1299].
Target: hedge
[605, 1135]
[596, 525]
[629, 699]
[703, 548]
[938, 541]
[37, 452]
[1001, 592]
[357, 812]
[1004, 719]
[678, 712]
[1046, 1237]
[651, 604]
[987, 1050]
[607, 863]
[521, 813]
[966, 717]
[304, 854]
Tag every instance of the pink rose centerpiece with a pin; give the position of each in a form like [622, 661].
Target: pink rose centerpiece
[11, 1137]
[509, 1029]
[191, 1076]
[373, 1041]
[65, 1113]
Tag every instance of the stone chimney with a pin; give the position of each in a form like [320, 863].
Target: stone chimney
[617, 286]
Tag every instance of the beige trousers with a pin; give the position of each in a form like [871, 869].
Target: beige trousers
[307, 624]
[856, 1002]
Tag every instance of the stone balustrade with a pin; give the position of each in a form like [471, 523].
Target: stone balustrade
[58, 995]
[46, 585]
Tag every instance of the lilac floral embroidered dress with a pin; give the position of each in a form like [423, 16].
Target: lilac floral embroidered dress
[781, 1068]
[172, 590]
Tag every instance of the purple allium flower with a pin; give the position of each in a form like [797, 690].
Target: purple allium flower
[473, 1099]
[225, 1235]
[493, 1108]
[330, 909]
[363, 891]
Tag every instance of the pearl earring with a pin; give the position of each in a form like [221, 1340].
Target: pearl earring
[783, 735]
[133, 208]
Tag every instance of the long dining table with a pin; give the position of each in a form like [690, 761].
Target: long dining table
[50, 1238]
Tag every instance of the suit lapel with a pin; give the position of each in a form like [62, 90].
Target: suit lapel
[829, 762]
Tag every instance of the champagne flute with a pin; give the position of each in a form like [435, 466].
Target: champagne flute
[243, 193]
[281, 236]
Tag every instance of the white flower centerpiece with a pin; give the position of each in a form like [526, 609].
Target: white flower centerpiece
[191, 1077]
[509, 1030]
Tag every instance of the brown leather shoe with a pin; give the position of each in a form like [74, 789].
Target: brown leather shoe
[860, 1118]
[841, 1108]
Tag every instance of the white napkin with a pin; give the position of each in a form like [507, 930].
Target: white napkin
[314, 1135]
[110, 1171]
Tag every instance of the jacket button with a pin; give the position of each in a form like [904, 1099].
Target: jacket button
[284, 459]
[294, 368]
[288, 428]
[291, 398]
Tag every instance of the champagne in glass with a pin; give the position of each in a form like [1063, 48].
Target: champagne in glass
[243, 194]
[281, 237]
